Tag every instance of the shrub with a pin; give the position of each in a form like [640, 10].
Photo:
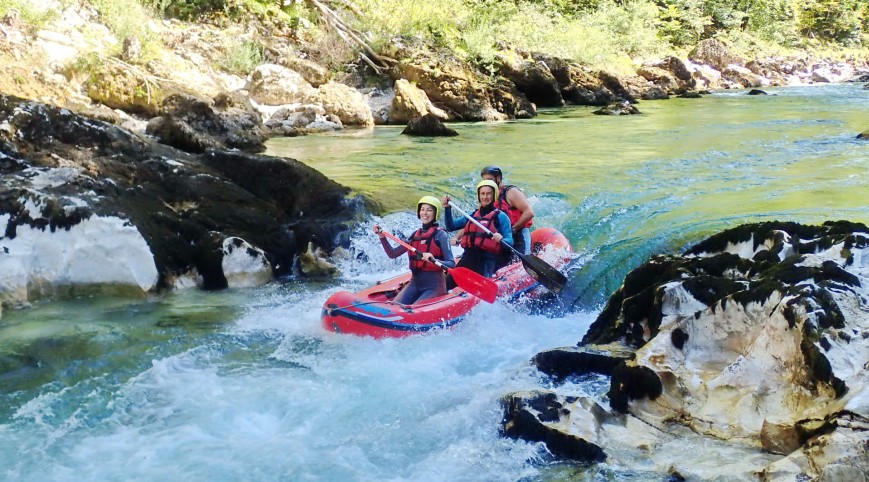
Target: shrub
[128, 19]
[837, 20]
[186, 9]
[241, 57]
[32, 14]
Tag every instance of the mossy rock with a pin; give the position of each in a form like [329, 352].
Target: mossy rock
[123, 88]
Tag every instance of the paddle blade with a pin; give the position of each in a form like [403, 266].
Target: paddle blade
[548, 276]
[475, 284]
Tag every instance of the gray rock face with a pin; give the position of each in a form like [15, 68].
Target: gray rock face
[534, 79]
[757, 337]
[194, 125]
[272, 84]
[713, 52]
[60, 171]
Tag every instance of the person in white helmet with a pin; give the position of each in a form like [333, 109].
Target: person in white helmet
[512, 201]
[481, 250]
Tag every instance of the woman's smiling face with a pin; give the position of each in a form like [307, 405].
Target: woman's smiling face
[426, 213]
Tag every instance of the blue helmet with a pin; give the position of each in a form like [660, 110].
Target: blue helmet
[493, 170]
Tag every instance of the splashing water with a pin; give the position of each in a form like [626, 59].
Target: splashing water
[246, 385]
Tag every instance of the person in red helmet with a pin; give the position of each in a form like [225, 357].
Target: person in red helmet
[512, 201]
[433, 243]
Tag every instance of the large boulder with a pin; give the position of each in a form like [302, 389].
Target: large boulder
[534, 79]
[659, 77]
[121, 87]
[705, 76]
[345, 102]
[272, 84]
[428, 125]
[670, 74]
[618, 108]
[713, 52]
[741, 77]
[411, 102]
[578, 85]
[314, 73]
[302, 118]
[88, 204]
[755, 338]
[630, 88]
[194, 125]
[457, 87]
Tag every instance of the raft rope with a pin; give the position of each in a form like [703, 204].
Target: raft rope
[405, 307]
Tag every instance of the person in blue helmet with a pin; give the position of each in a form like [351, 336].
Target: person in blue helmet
[512, 201]
[433, 243]
[482, 251]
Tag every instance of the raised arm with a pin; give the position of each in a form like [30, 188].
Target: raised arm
[451, 224]
[390, 251]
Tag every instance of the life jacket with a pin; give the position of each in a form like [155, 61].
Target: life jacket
[513, 213]
[424, 242]
[477, 238]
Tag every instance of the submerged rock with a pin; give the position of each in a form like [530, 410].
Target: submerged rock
[757, 336]
[88, 205]
[618, 108]
[428, 125]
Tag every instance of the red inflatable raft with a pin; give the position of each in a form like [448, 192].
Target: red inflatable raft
[371, 312]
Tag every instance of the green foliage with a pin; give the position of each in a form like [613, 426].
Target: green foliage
[127, 19]
[629, 27]
[843, 21]
[36, 15]
[186, 9]
[773, 21]
[241, 57]
[83, 66]
[478, 29]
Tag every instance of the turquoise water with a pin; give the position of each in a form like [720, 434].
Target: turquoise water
[622, 188]
[246, 385]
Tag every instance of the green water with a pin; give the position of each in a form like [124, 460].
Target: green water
[246, 384]
[622, 188]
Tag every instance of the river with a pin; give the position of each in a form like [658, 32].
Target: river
[246, 385]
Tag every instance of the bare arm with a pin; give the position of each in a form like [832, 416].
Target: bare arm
[517, 199]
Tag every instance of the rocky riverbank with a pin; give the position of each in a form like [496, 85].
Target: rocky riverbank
[103, 142]
[87, 206]
[754, 339]
[74, 61]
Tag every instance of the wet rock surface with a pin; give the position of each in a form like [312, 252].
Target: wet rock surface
[755, 338]
[64, 174]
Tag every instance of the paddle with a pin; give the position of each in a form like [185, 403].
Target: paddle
[474, 283]
[548, 276]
